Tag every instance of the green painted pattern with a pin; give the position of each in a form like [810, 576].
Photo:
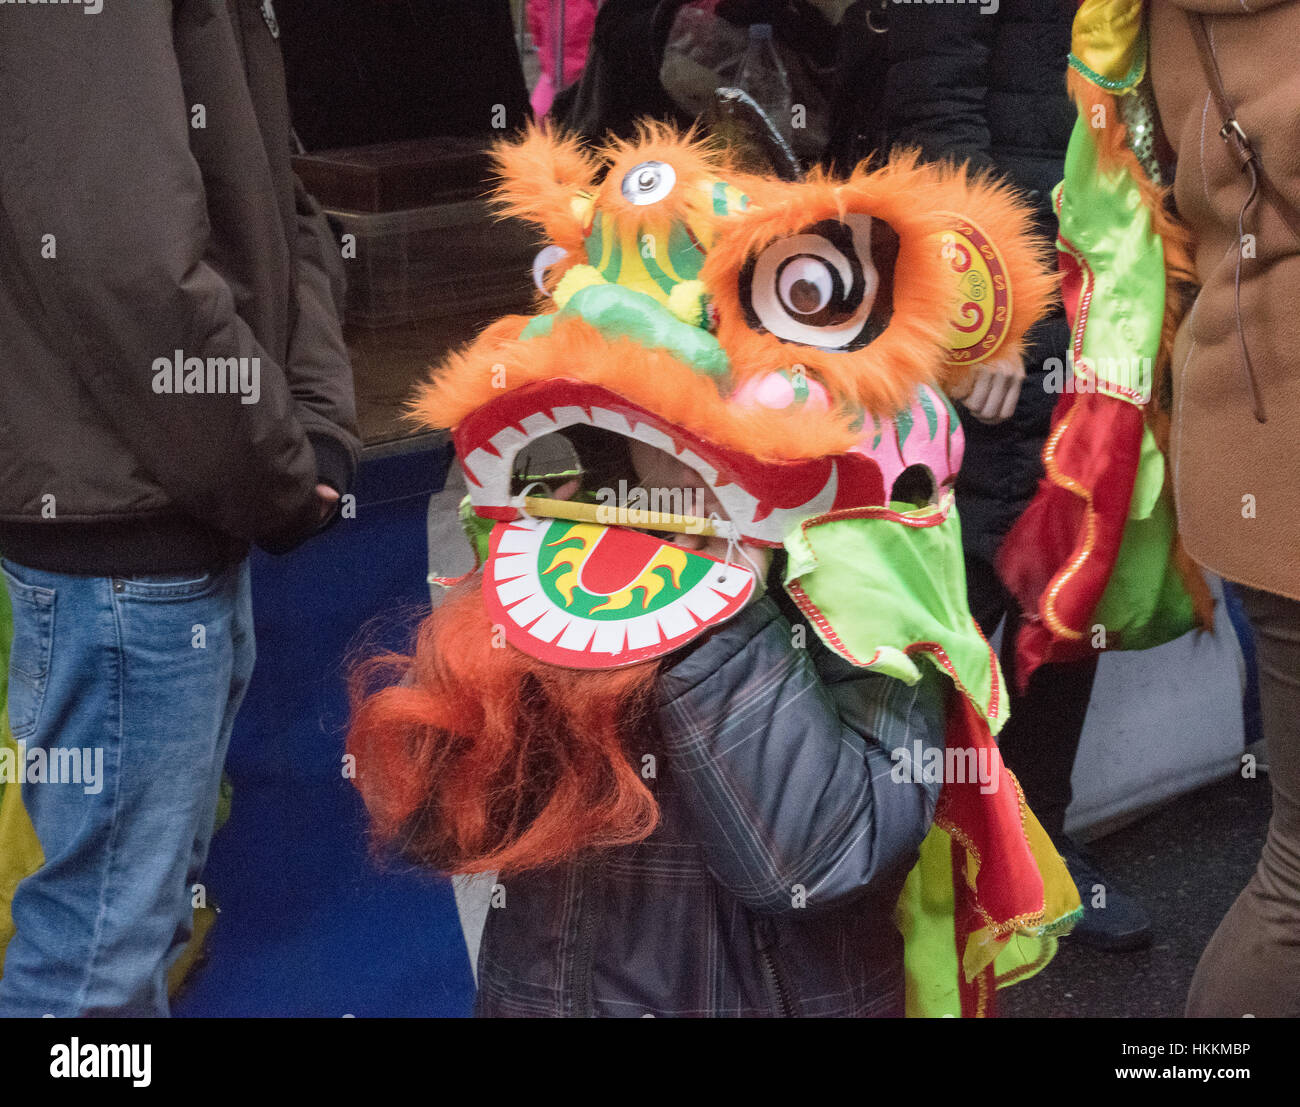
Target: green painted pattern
[613, 267]
[619, 312]
[927, 406]
[903, 421]
[663, 280]
[596, 242]
[683, 254]
[953, 417]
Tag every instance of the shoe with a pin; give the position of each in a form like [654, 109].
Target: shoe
[1121, 924]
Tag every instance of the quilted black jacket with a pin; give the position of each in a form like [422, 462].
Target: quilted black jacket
[769, 886]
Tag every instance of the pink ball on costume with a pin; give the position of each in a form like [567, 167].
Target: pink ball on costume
[781, 390]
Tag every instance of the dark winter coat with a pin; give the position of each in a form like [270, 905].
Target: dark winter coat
[620, 84]
[365, 71]
[770, 884]
[147, 206]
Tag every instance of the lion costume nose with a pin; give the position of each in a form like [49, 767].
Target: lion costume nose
[619, 312]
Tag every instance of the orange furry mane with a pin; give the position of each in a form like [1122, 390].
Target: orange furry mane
[918, 201]
[473, 757]
[553, 182]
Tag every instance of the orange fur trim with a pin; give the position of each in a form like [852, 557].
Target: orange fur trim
[541, 174]
[695, 162]
[544, 173]
[1007, 218]
[650, 378]
[505, 329]
[911, 198]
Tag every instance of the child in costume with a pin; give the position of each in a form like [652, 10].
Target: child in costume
[768, 883]
[705, 781]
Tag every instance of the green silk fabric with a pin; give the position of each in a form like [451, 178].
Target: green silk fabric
[1106, 228]
[1146, 603]
[931, 963]
[1103, 219]
[884, 586]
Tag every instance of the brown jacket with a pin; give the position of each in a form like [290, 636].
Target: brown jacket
[147, 206]
[1236, 479]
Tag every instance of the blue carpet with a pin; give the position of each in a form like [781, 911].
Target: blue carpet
[311, 923]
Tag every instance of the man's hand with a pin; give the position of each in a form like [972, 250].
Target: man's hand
[328, 498]
[991, 391]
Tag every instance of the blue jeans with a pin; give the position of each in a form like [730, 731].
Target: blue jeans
[136, 681]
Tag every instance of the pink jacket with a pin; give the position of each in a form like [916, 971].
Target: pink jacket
[543, 25]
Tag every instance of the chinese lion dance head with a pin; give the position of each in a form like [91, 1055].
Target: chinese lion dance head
[785, 342]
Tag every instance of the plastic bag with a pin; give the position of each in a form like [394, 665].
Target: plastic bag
[704, 52]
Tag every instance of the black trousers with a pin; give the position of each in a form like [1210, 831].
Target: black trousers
[1041, 737]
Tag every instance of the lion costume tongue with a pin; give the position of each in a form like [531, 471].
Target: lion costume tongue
[586, 596]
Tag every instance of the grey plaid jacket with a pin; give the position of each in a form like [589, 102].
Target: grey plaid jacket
[769, 886]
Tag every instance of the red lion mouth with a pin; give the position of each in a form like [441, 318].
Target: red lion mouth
[765, 500]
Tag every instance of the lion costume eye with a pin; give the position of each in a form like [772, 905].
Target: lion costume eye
[806, 285]
[648, 183]
[829, 286]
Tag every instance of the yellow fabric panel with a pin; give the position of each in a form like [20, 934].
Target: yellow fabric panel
[1105, 37]
[925, 919]
[20, 851]
[1060, 895]
[1024, 955]
[1061, 910]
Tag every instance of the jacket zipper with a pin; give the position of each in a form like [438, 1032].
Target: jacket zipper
[776, 986]
[584, 1006]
